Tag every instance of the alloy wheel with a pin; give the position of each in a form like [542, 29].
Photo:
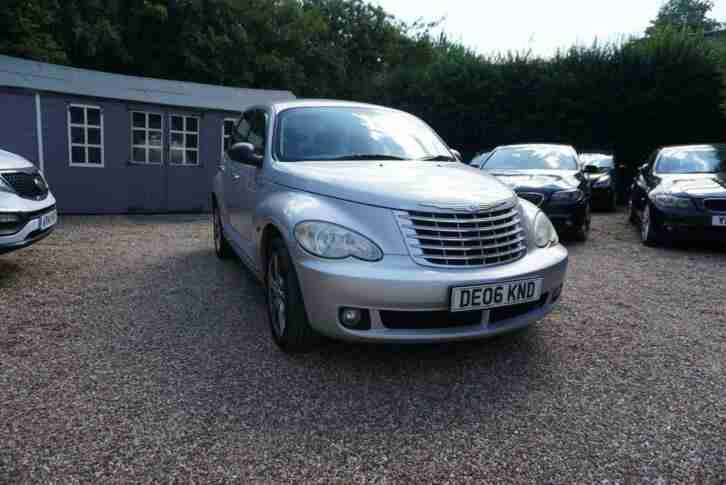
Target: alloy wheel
[276, 295]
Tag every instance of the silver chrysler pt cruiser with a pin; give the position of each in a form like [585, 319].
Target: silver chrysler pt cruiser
[363, 225]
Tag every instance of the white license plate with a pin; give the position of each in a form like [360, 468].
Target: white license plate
[495, 295]
[48, 220]
[719, 221]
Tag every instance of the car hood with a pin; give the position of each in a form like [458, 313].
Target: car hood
[694, 185]
[538, 180]
[407, 185]
[11, 161]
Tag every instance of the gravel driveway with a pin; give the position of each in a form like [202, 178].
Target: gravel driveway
[129, 353]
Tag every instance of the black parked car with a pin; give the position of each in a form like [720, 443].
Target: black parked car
[550, 177]
[681, 193]
[599, 170]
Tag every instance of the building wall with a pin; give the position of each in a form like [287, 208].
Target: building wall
[121, 186]
[18, 133]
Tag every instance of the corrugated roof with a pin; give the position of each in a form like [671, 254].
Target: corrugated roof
[40, 76]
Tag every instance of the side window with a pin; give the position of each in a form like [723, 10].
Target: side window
[258, 130]
[228, 134]
[85, 136]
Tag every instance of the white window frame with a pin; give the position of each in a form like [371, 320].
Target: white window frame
[225, 136]
[85, 127]
[147, 146]
[184, 134]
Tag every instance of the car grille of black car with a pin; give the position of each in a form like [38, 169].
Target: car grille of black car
[464, 239]
[715, 205]
[533, 197]
[28, 185]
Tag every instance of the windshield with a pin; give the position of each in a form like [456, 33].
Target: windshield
[707, 159]
[532, 158]
[355, 133]
[600, 161]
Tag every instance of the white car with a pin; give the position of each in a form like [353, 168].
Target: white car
[27, 208]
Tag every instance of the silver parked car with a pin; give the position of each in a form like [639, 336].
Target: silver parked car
[363, 226]
[27, 208]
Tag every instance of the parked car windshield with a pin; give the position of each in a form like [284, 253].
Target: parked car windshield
[355, 133]
[600, 161]
[532, 158]
[707, 159]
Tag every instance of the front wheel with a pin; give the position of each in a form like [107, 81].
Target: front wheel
[289, 323]
[221, 246]
[649, 228]
[583, 232]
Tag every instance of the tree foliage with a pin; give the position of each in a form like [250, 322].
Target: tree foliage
[684, 15]
[630, 98]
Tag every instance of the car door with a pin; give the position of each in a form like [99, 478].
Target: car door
[233, 186]
[257, 119]
[643, 183]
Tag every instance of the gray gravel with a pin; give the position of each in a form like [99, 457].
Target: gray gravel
[128, 353]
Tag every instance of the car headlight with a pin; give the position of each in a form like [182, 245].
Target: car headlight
[673, 202]
[603, 181]
[4, 187]
[567, 196]
[335, 242]
[545, 234]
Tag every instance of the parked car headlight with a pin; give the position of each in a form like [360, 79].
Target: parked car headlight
[567, 196]
[604, 181]
[4, 187]
[673, 202]
[335, 242]
[544, 232]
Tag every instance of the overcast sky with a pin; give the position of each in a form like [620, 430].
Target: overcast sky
[542, 25]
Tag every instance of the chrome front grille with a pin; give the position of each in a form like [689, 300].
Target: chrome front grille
[464, 239]
[533, 197]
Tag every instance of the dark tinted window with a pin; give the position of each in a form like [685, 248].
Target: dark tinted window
[252, 128]
[532, 158]
[701, 159]
[602, 161]
[339, 133]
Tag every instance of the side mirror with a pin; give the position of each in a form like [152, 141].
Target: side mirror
[456, 153]
[244, 153]
[643, 169]
[590, 169]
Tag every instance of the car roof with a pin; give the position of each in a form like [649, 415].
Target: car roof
[324, 103]
[535, 145]
[703, 146]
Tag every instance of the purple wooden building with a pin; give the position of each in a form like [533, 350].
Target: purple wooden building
[109, 143]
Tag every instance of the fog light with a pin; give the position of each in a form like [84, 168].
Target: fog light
[355, 318]
[350, 317]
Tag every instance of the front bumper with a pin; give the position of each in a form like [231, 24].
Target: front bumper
[690, 225]
[397, 285]
[567, 216]
[29, 234]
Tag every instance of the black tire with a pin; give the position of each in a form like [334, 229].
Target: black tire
[583, 232]
[613, 201]
[290, 326]
[649, 227]
[221, 246]
[632, 216]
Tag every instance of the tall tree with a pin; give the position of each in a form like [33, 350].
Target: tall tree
[684, 15]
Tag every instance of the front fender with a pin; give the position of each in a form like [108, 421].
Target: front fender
[284, 208]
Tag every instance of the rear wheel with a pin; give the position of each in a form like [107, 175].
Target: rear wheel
[289, 323]
[221, 247]
[649, 229]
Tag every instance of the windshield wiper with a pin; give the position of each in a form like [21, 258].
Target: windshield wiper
[438, 158]
[367, 156]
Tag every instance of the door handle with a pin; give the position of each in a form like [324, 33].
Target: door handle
[235, 177]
